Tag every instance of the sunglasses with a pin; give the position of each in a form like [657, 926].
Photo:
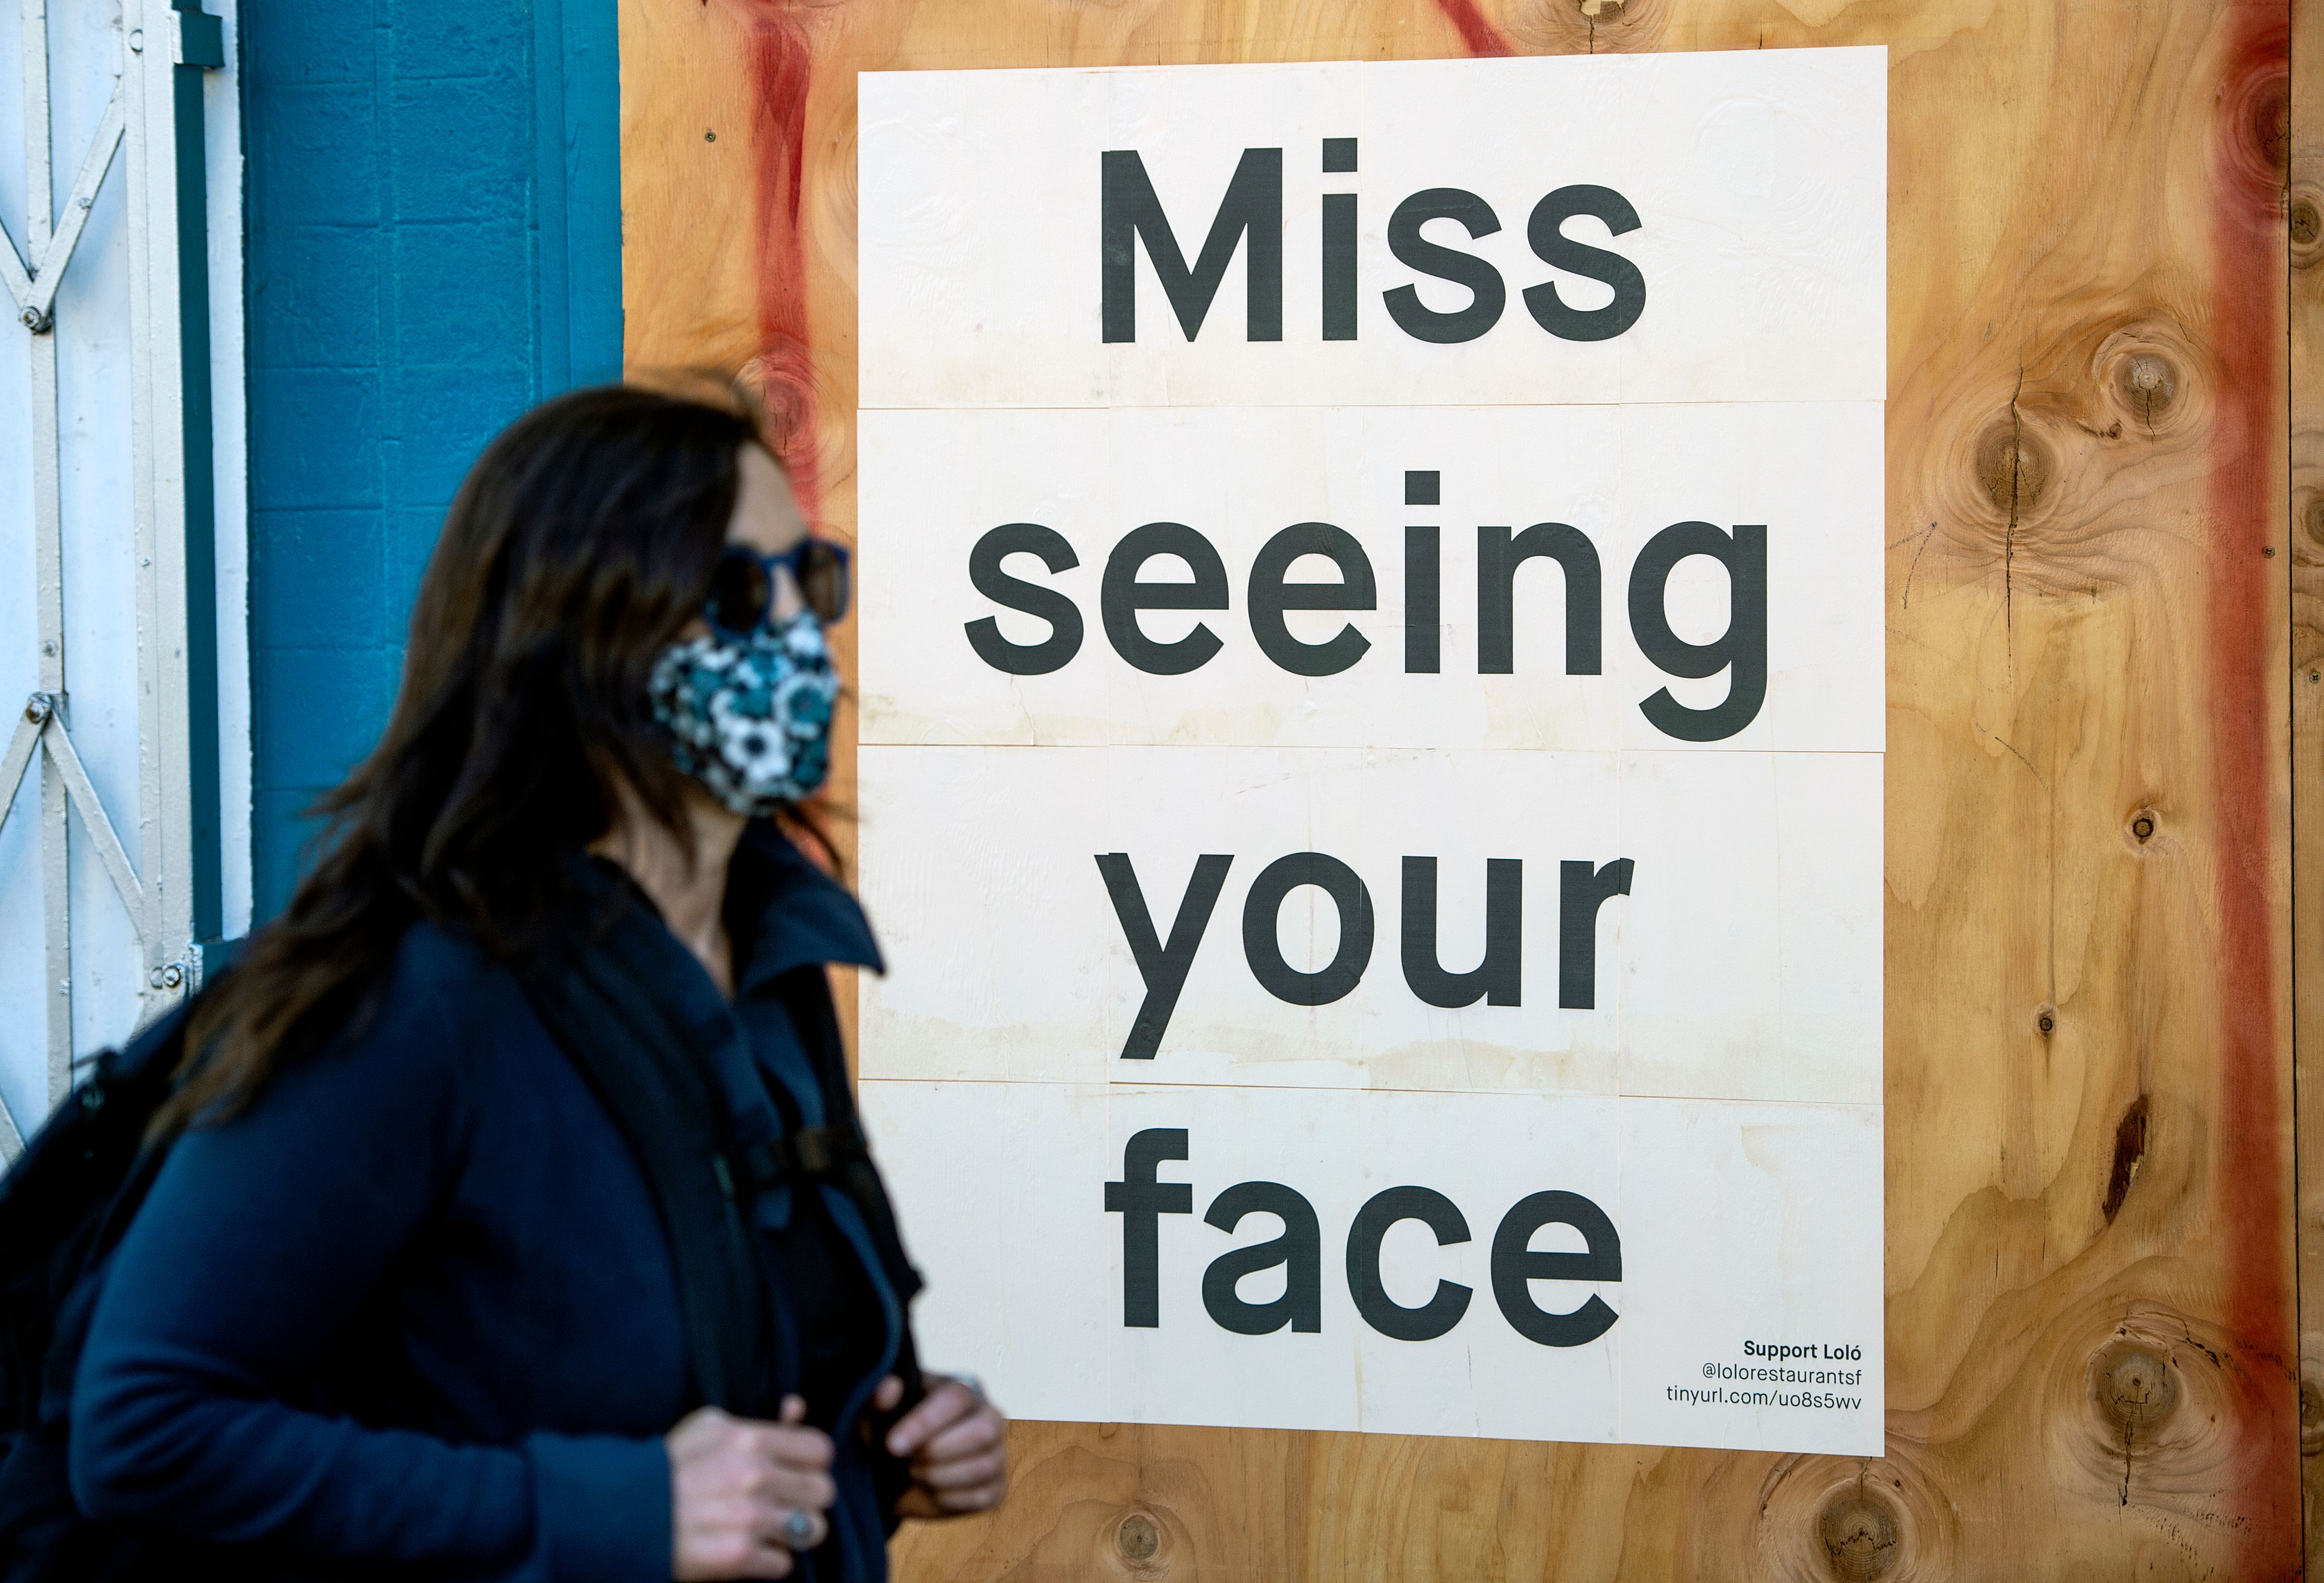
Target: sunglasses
[743, 583]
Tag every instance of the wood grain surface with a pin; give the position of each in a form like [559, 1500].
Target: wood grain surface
[2106, 593]
[2304, 223]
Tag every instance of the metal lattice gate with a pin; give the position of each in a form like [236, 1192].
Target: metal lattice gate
[151, 139]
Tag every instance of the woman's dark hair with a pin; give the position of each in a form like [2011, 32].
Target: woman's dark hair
[580, 544]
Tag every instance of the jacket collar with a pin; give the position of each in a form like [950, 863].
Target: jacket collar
[783, 912]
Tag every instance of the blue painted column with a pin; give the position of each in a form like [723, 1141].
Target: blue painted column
[434, 244]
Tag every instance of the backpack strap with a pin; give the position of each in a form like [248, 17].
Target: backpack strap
[631, 1052]
[807, 996]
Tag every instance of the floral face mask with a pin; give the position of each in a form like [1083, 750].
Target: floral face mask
[749, 714]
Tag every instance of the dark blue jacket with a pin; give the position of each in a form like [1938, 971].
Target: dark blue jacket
[413, 1311]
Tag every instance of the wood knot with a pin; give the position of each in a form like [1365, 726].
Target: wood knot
[2312, 1417]
[1594, 27]
[2142, 826]
[2267, 121]
[2147, 384]
[794, 393]
[2146, 1405]
[2255, 131]
[2134, 1388]
[2013, 466]
[1140, 1546]
[1858, 1531]
[2148, 374]
[2047, 1021]
[2311, 517]
[2035, 474]
[1833, 1517]
[2303, 225]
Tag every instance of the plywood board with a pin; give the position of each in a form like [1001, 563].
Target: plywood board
[2092, 1345]
[2304, 227]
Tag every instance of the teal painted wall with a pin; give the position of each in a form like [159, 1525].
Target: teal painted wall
[433, 209]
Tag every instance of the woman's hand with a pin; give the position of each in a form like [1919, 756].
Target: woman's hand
[740, 1489]
[957, 1443]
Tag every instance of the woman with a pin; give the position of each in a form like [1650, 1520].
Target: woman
[411, 1296]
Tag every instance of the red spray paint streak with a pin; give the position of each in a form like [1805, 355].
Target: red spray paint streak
[2247, 261]
[1477, 36]
[781, 65]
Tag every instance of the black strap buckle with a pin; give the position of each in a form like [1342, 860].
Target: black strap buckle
[811, 1151]
[805, 1156]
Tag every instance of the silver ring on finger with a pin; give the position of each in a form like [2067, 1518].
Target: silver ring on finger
[797, 1528]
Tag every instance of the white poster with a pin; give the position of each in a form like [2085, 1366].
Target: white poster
[1373, 688]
